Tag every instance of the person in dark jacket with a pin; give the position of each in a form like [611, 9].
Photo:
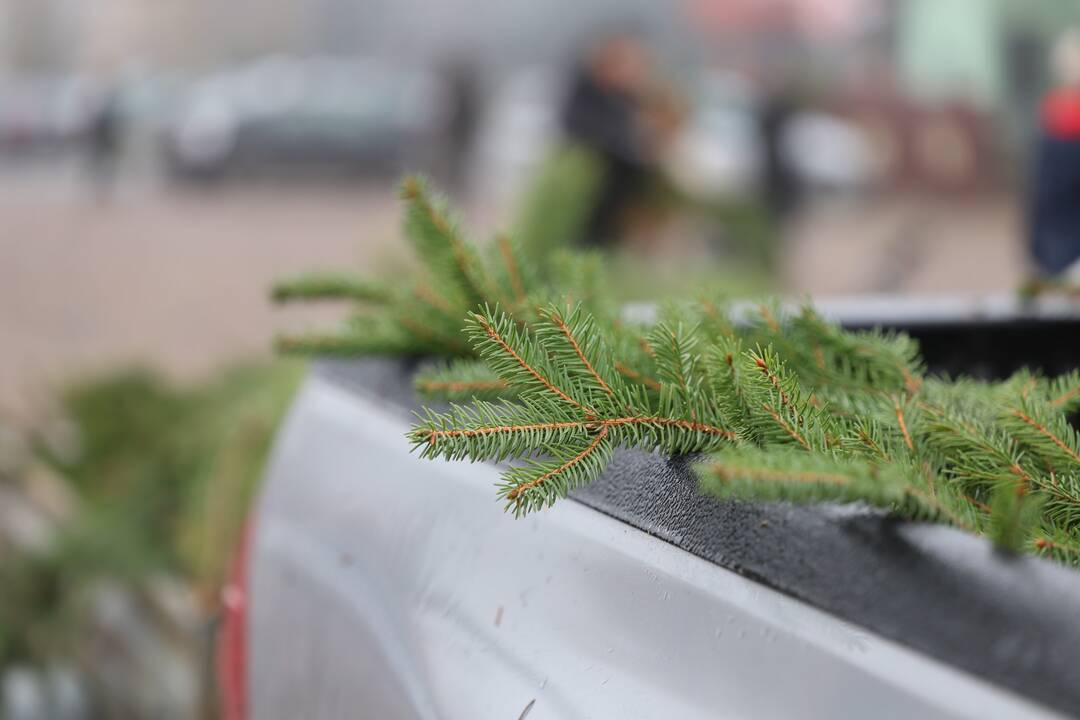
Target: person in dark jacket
[104, 137]
[464, 104]
[604, 113]
[1055, 207]
[780, 187]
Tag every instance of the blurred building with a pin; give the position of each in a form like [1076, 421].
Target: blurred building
[104, 35]
[107, 36]
[982, 59]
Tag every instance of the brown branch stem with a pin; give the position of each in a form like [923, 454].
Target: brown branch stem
[629, 372]
[516, 492]
[434, 435]
[565, 330]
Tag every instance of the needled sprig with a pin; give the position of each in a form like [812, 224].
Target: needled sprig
[453, 263]
[423, 316]
[785, 473]
[1063, 393]
[415, 317]
[331, 286]
[462, 380]
[573, 409]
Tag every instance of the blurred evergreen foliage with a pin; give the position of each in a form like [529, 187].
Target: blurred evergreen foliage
[163, 475]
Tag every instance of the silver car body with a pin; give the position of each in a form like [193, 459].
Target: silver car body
[385, 586]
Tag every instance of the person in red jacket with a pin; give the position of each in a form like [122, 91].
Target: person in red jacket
[1055, 207]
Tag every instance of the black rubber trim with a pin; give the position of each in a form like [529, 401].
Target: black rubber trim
[992, 349]
[1014, 621]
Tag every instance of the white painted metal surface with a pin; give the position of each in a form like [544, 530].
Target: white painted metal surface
[907, 310]
[384, 586]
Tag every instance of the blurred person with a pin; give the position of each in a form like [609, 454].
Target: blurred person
[1055, 202]
[463, 114]
[606, 113]
[780, 185]
[103, 144]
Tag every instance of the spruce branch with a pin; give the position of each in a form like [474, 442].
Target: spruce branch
[797, 476]
[461, 380]
[1057, 545]
[509, 257]
[902, 424]
[1062, 507]
[556, 208]
[1064, 392]
[982, 456]
[434, 233]
[724, 368]
[779, 408]
[678, 365]
[511, 353]
[866, 438]
[634, 358]
[541, 483]
[887, 361]
[631, 374]
[577, 326]
[571, 412]
[331, 286]
[1045, 435]
[456, 278]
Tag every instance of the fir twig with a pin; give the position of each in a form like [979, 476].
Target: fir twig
[331, 286]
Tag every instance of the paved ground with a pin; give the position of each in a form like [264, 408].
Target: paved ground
[179, 279]
[908, 244]
[172, 279]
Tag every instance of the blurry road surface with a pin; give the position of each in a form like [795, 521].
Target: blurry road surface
[179, 279]
[901, 244]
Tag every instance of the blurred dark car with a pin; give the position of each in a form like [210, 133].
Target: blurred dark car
[282, 114]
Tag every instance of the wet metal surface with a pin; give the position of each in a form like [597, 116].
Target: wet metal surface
[1012, 621]
[385, 586]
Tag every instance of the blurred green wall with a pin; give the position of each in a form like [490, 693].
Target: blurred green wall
[951, 49]
[990, 53]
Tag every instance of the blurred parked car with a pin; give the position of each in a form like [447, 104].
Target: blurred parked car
[43, 114]
[717, 152]
[346, 114]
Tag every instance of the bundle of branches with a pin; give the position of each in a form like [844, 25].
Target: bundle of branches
[773, 407]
